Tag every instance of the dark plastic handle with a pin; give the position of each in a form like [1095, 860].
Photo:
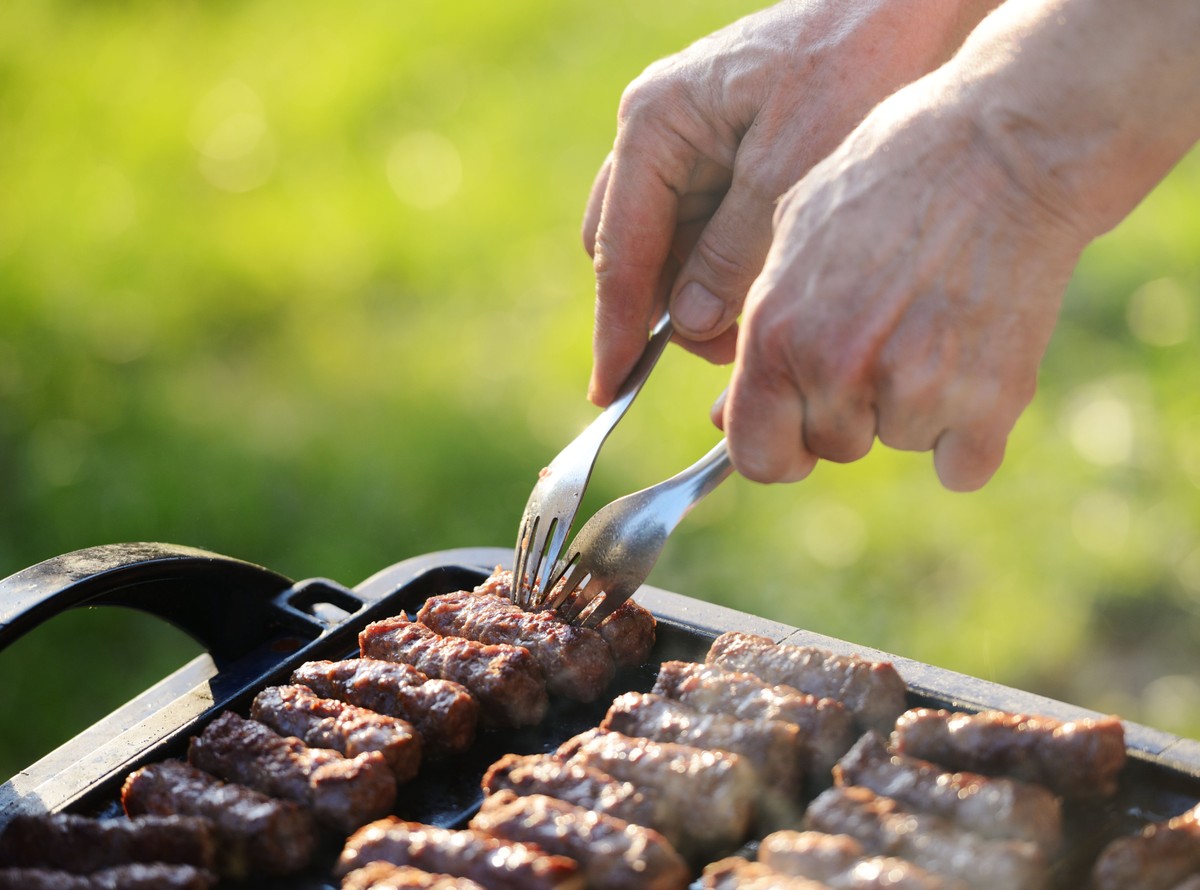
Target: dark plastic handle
[225, 604]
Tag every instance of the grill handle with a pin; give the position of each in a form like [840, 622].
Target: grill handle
[227, 605]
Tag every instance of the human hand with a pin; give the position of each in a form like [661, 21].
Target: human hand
[910, 293]
[707, 141]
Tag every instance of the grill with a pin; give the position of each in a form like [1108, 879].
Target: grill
[257, 626]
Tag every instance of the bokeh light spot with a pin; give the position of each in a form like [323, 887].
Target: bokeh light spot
[424, 169]
[1160, 313]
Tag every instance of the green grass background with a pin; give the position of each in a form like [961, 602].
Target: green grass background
[302, 283]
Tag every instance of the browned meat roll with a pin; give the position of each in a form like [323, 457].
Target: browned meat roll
[937, 845]
[1077, 759]
[775, 749]
[576, 661]
[738, 873]
[348, 729]
[841, 861]
[575, 783]
[135, 876]
[496, 864]
[443, 712]
[991, 807]
[256, 834]
[614, 854]
[342, 792]
[79, 844]
[1161, 857]
[385, 876]
[827, 726]
[710, 793]
[871, 690]
[630, 630]
[507, 680]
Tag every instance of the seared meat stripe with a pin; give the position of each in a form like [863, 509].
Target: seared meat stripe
[871, 690]
[496, 864]
[1077, 759]
[991, 807]
[775, 749]
[135, 876]
[841, 861]
[935, 844]
[79, 844]
[341, 792]
[443, 712]
[507, 680]
[576, 661]
[574, 783]
[738, 873]
[614, 854]
[348, 729]
[827, 726]
[256, 834]
[710, 794]
[1161, 857]
[385, 876]
[629, 630]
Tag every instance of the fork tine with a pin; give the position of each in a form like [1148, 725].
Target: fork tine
[579, 599]
[527, 545]
[612, 601]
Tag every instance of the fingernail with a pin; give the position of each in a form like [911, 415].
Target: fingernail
[696, 309]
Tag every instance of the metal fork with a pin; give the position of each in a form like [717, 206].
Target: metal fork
[558, 492]
[616, 549]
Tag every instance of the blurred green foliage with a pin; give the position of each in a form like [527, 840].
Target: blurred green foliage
[302, 283]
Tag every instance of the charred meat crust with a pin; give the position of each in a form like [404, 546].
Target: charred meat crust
[135, 876]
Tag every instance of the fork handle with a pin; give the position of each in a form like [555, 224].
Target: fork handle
[693, 484]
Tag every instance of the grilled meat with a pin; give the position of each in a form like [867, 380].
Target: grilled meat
[444, 713]
[1161, 857]
[256, 834]
[575, 783]
[348, 729]
[1077, 759]
[613, 853]
[774, 748]
[991, 807]
[496, 864]
[135, 876]
[506, 680]
[385, 876]
[576, 661]
[629, 630]
[711, 794]
[342, 792]
[738, 873]
[871, 690]
[827, 726]
[937, 845]
[79, 844]
[841, 862]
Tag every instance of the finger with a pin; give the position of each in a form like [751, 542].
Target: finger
[839, 428]
[966, 459]
[591, 214]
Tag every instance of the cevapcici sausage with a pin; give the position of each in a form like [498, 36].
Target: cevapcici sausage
[885, 829]
[827, 726]
[496, 864]
[1160, 857]
[348, 729]
[1077, 758]
[576, 661]
[739, 873]
[991, 807]
[841, 861]
[711, 793]
[507, 680]
[613, 853]
[871, 690]
[444, 712]
[135, 876]
[80, 844]
[343, 792]
[385, 876]
[256, 834]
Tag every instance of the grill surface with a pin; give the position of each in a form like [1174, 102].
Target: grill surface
[280, 624]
